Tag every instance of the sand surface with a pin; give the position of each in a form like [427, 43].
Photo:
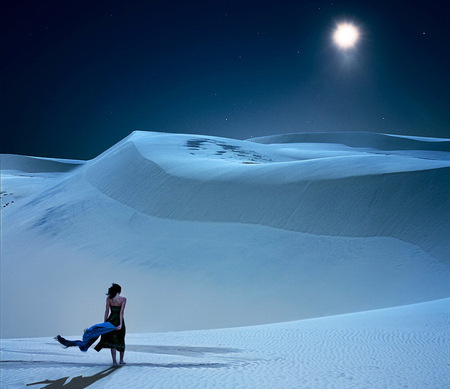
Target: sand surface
[402, 347]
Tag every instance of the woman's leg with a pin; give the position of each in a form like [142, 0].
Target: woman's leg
[113, 355]
[122, 362]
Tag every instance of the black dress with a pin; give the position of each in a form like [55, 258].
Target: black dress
[113, 339]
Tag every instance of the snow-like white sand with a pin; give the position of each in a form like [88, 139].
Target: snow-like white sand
[402, 347]
[205, 232]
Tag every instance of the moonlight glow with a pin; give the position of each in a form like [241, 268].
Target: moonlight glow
[346, 35]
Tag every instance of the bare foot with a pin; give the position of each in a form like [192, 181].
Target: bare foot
[122, 363]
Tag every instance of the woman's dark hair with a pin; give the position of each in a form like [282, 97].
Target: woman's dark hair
[113, 290]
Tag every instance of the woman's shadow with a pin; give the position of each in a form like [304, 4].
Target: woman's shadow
[78, 382]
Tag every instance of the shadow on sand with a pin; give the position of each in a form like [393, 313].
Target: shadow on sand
[187, 351]
[24, 364]
[81, 382]
[78, 382]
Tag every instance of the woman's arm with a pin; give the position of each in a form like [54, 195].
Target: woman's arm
[106, 310]
[122, 309]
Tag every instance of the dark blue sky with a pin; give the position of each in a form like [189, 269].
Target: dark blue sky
[78, 76]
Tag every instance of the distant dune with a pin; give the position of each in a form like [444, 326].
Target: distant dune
[25, 164]
[208, 232]
[362, 139]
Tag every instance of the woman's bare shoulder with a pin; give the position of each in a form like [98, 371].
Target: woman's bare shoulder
[118, 301]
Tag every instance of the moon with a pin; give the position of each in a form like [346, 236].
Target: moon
[346, 35]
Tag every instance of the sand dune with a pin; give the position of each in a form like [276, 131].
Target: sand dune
[362, 139]
[206, 232]
[26, 164]
[220, 232]
[360, 195]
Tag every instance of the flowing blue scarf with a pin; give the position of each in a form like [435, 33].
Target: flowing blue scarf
[89, 337]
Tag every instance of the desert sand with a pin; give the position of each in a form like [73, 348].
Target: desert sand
[314, 260]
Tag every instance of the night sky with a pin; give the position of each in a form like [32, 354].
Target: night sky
[78, 76]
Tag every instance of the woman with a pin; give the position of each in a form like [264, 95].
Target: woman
[115, 340]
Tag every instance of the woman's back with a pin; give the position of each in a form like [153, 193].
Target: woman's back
[117, 301]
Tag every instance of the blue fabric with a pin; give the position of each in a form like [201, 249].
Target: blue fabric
[89, 337]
